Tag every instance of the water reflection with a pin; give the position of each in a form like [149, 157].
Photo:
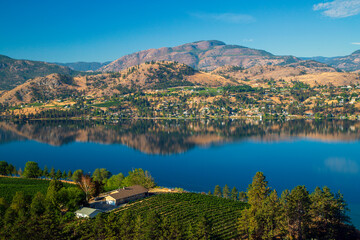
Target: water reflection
[177, 136]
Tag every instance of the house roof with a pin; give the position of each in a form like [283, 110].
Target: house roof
[128, 192]
[87, 211]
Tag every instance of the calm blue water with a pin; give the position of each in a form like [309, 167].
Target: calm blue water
[286, 163]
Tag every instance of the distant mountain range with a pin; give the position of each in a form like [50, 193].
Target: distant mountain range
[346, 63]
[84, 66]
[204, 56]
[15, 72]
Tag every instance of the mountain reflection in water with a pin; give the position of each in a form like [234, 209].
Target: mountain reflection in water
[177, 136]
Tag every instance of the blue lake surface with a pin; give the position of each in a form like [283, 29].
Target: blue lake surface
[205, 158]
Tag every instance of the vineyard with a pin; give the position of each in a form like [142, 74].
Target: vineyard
[9, 186]
[188, 208]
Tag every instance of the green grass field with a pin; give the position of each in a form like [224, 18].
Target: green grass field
[190, 207]
[9, 186]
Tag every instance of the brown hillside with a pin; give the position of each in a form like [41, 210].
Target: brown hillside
[203, 55]
[156, 75]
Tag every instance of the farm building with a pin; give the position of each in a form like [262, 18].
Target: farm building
[126, 194]
[86, 212]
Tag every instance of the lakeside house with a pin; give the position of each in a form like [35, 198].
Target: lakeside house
[126, 194]
[86, 212]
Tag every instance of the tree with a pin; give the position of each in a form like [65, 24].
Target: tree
[52, 173]
[101, 175]
[31, 170]
[217, 191]
[234, 194]
[38, 204]
[139, 177]
[69, 175]
[252, 221]
[64, 175]
[58, 174]
[242, 196]
[46, 172]
[116, 181]
[52, 193]
[297, 217]
[226, 191]
[77, 175]
[20, 202]
[328, 214]
[87, 185]
[4, 168]
[273, 217]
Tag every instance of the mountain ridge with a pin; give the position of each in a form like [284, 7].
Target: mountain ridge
[202, 55]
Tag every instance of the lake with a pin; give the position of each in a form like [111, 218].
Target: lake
[197, 155]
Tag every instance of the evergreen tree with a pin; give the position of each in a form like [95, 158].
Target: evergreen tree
[31, 170]
[234, 194]
[242, 196]
[297, 216]
[217, 191]
[203, 229]
[58, 174]
[38, 204]
[252, 220]
[64, 175]
[45, 172]
[77, 175]
[52, 196]
[226, 191]
[69, 175]
[52, 173]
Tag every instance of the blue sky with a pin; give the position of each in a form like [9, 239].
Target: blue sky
[77, 30]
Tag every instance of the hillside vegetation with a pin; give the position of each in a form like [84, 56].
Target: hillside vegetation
[15, 72]
[202, 55]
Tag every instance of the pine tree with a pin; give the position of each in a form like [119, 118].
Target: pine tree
[252, 220]
[226, 191]
[234, 194]
[297, 216]
[58, 174]
[64, 175]
[46, 172]
[52, 173]
[69, 175]
[217, 191]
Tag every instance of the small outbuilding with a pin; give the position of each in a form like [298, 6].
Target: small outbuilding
[126, 194]
[86, 212]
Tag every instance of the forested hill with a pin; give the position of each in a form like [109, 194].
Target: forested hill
[15, 72]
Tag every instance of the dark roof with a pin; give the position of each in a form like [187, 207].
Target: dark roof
[128, 192]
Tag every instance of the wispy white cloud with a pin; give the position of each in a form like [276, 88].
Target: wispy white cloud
[225, 17]
[356, 43]
[339, 8]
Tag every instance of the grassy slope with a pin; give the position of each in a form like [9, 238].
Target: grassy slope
[9, 186]
[189, 207]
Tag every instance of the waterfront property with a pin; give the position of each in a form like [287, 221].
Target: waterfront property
[86, 212]
[126, 194]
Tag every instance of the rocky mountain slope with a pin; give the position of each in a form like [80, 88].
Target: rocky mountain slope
[156, 75]
[203, 55]
[84, 66]
[14, 72]
[310, 72]
[346, 63]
